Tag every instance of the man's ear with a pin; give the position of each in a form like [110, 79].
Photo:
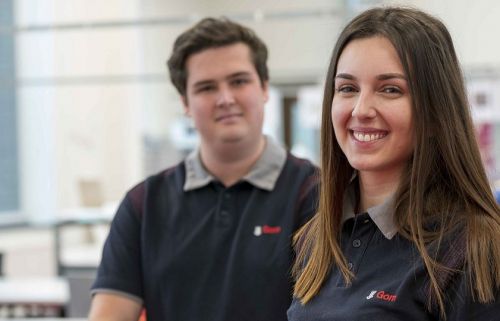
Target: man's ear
[185, 104]
[265, 88]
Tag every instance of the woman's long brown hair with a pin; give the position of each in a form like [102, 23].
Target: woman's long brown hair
[445, 181]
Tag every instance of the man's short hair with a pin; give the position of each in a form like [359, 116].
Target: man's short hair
[214, 33]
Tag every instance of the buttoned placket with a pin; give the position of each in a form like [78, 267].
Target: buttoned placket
[224, 205]
[361, 233]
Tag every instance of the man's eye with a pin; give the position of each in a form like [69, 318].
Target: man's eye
[239, 82]
[205, 89]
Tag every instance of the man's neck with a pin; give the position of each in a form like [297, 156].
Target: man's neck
[230, 163]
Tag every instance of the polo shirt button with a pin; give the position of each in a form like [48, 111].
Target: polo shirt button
[350, 266]
[224, 213]
[356, 243]
[227, 196]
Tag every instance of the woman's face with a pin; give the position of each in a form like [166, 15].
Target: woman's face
[371, 107]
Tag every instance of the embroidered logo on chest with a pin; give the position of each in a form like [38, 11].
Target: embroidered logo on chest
[266, 229]
[381, 295]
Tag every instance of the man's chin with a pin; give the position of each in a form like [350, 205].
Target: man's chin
[233, 139]
[236, 137]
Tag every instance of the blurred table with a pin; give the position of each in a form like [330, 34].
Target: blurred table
[33, 297]
[86, 257]
[52, 319]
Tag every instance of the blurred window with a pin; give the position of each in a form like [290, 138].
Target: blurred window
[9, 171]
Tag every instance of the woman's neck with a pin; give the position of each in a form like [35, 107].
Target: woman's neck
[375, 189]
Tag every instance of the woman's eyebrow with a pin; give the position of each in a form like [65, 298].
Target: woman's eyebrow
[391, 76]
[345, 76]
[386, 76]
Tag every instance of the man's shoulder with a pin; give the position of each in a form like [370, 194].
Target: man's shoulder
[170, 177]
[299, 172]
[298, 163]
[164, 176]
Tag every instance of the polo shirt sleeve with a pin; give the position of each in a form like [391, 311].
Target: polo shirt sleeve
[120, 270]
[461, 306]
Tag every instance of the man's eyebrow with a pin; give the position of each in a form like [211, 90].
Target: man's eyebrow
[202, 82]
[239, 74]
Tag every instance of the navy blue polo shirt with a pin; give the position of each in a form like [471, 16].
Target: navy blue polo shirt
[390, 281]
[188, 248]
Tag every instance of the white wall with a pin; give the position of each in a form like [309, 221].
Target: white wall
[92, 125]
[299, 46]
[71, 127]
[473, 26]
[83, 119]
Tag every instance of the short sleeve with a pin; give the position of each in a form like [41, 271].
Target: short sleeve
[120, 270]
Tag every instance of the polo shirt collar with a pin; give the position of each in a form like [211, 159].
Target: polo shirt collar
[263, 174]
[382, 215]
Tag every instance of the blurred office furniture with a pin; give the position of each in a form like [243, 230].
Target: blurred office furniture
[91, 194]
[79, 235]
[77, 261]
[52, 319]
[78, 244]
[305, 120]
[33, 297]
[79, 292]
[62, 290]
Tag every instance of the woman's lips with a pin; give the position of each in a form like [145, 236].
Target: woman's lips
[368, 136]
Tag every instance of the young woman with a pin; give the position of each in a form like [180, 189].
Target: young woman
[407, 226]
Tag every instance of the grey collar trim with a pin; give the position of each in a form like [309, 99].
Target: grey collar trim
[382, 214]
[264, 174]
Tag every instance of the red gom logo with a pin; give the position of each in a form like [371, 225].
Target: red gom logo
[382, 296]
[266, 229]
[386, 296]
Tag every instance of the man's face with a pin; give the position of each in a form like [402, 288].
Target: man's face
[225, 97]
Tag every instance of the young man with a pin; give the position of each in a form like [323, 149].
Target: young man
[209, 239]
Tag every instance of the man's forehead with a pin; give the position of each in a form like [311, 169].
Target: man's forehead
[219, 63]
[214, 78]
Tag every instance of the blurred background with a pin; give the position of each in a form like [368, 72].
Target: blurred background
[87, 111]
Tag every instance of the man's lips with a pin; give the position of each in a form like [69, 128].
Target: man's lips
[228, 116]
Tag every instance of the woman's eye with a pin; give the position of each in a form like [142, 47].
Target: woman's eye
[346, 89]
[391, 90]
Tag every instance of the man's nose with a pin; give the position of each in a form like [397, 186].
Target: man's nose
[225, 96]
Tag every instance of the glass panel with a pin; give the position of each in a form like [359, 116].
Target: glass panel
[9, 178]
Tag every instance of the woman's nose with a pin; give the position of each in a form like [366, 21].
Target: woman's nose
[364, 106]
